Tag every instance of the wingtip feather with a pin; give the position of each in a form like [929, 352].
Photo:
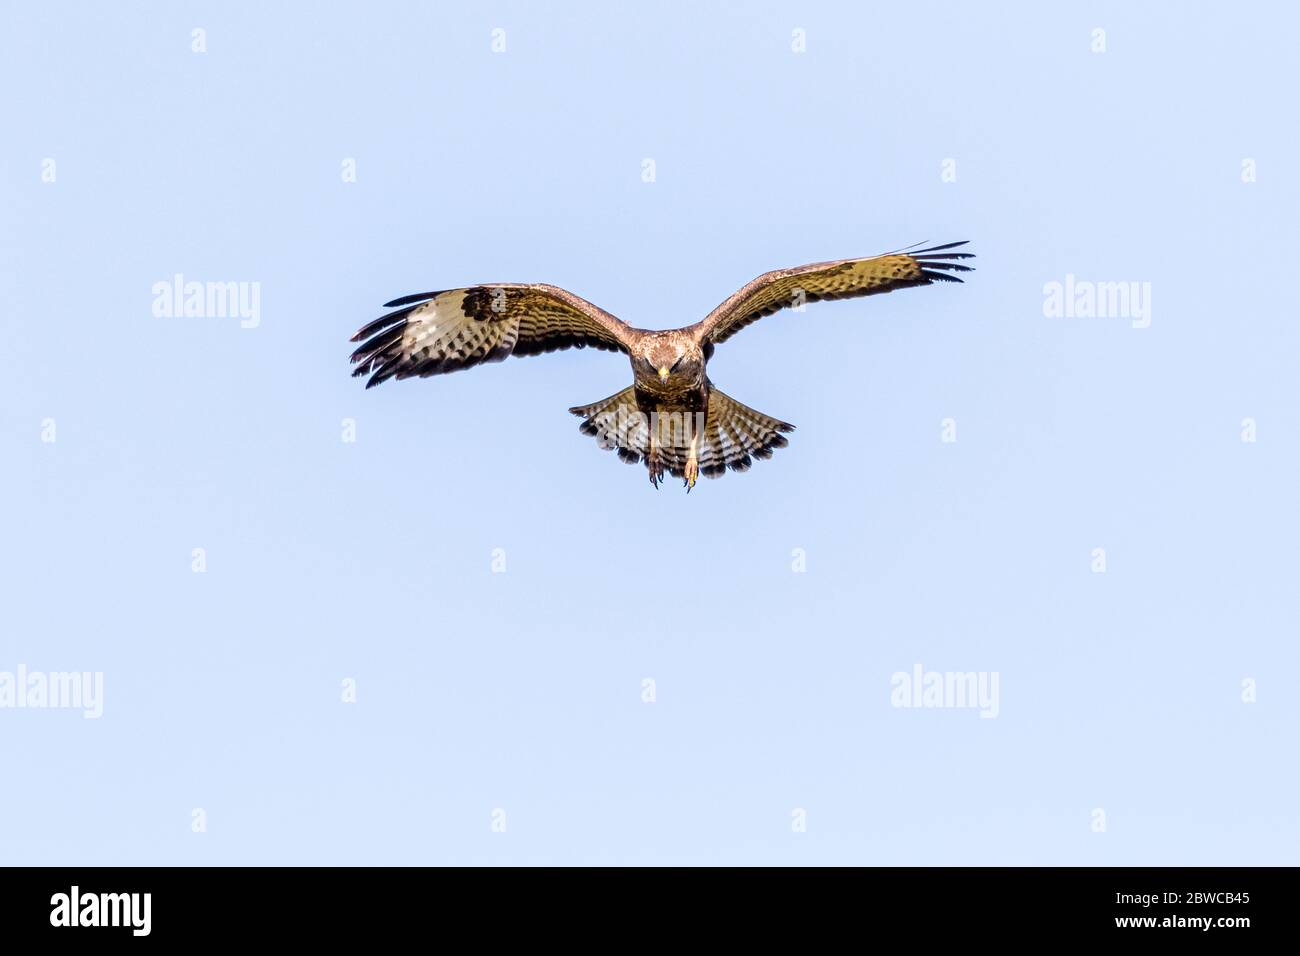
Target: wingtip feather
[409, 299]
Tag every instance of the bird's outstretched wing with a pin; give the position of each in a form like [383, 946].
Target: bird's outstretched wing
[841, 279]
[437, 332]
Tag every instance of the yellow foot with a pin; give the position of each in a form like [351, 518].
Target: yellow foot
[692, 473]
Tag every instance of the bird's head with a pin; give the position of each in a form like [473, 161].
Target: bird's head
[670, 362]
[667, 359]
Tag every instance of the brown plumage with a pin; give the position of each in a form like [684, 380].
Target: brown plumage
[671, 418]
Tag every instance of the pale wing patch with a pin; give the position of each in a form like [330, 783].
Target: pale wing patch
[439, 337]
[438, 332]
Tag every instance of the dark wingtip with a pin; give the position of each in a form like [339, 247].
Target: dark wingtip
[941, 262]
[916, 252]
[408, 299]
[946, 245]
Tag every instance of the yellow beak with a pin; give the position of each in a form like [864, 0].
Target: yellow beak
[663, 373]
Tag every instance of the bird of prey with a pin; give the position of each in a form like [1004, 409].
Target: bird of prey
[671, 417]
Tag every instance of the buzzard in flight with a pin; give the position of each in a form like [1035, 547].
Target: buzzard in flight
[671, 417]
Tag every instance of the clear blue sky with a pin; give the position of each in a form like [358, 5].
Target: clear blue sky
[372, 560]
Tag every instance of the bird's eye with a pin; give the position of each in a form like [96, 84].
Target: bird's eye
[677, 363]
